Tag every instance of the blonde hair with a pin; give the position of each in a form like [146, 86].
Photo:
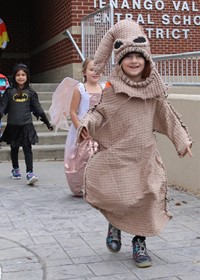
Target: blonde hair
[84, 67]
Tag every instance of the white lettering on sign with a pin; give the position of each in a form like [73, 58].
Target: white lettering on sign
[160, 33]
[140, 19]
[197, 20]
[114, 3]
[177, 20]
[178, 16]
[184, 6]
[125, 4]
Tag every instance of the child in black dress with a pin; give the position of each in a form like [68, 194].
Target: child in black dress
[19, 102]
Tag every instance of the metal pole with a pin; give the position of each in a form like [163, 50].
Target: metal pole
[67, 33]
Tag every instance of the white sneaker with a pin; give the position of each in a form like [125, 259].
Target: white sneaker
[31, 178]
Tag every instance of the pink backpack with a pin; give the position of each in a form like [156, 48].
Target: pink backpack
[3, 83]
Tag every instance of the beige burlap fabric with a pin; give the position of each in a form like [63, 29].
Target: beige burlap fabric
[126, 179]
[125, 36]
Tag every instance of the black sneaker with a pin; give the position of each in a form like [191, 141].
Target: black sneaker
[140, 255]
[113, 240]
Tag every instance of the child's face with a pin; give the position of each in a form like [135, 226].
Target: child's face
[133, 65]
[21, 78]
[90, 74]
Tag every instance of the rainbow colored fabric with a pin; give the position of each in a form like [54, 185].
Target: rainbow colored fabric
[3, 33]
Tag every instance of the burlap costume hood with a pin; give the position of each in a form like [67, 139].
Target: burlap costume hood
[124, 37]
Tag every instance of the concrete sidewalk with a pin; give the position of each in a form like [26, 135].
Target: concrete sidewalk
[47, 234]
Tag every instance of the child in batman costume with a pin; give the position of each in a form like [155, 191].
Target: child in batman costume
[19, 102]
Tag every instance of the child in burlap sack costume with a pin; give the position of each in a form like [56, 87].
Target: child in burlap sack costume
[126, 178]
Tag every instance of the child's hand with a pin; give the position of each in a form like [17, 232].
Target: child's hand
[84, 134]
[187, 151]
[50, 127]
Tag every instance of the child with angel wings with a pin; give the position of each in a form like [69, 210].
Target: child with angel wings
[73, 99]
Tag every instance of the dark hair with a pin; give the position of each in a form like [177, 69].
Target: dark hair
[128, 53]
[18, 67]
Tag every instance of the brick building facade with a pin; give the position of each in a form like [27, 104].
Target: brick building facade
[36, 32]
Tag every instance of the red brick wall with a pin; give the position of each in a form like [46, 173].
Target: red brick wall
[50, 18]
[16, 17]
[70, 13]
[167, 45]
[30, 28]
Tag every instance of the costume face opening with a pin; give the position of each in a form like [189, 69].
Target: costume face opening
[16, 69]
[147, 69]
[129, 53]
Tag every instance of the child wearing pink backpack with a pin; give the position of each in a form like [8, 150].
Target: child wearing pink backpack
[3, 85]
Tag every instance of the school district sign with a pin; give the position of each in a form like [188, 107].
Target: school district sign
[183, 16]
